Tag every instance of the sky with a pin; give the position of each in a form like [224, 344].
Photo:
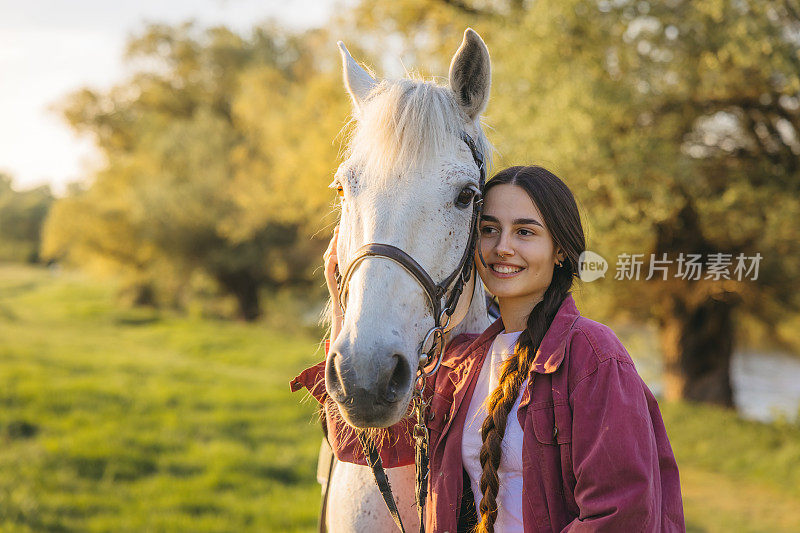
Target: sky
[49, 48]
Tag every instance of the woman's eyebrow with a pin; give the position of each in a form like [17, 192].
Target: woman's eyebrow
[527, 221]
[517, 222]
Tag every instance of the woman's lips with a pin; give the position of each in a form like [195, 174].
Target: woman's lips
[504, 270]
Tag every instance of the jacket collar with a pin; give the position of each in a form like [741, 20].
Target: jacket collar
[551, 351]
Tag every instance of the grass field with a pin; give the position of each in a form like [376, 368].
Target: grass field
[130, 420]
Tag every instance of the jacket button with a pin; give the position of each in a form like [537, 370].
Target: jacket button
[431, 415]
[555, 432]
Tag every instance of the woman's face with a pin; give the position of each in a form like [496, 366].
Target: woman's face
[516, 245]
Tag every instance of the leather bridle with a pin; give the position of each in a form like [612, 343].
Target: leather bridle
[443, 298]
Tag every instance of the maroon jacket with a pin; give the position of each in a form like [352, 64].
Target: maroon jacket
[595, 452]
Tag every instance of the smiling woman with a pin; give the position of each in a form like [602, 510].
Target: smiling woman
[531, 239]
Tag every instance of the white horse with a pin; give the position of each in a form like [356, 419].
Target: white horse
[403, 180]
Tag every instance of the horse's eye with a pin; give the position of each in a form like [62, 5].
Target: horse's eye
[340, 191]
[465, 197]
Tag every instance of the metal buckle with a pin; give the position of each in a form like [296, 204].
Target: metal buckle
[437, 334]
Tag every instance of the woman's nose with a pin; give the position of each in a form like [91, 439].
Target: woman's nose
[504, 248]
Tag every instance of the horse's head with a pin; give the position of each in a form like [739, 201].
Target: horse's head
[408, 181]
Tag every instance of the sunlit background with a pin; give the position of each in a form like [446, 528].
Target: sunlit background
[50, 48]
[164, 209]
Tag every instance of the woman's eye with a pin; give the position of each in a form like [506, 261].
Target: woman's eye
[526, 232]
[487, 230]
[465, 197]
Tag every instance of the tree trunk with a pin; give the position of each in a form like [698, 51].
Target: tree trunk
[144, 295]
[698, 344]
[244, 288]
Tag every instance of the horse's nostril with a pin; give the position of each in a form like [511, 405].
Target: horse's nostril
[333, 380]
[399, 380]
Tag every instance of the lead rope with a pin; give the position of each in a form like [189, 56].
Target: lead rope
[421, 447]
[381, 479]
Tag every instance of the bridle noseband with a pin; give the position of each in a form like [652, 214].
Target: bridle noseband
[443, 306]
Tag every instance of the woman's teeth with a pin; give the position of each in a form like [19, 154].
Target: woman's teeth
[504, 269]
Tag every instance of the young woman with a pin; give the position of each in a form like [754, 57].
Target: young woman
[541, 423]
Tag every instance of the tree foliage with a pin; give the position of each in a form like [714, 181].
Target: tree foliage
[218, 149]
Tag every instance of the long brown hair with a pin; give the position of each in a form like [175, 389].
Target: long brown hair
[560, 212]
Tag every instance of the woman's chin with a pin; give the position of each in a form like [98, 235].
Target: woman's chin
[504, 289]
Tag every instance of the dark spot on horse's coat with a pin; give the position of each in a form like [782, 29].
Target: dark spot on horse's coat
[395, 333]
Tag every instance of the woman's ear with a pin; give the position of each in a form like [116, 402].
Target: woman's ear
[471, 75]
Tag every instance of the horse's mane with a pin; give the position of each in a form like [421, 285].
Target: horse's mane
[407, 124]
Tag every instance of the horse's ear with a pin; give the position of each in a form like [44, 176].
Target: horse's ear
[357, 81]
[471, 74]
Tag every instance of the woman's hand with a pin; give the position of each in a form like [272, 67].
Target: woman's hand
[331, 262]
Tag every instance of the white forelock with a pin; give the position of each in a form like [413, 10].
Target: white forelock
[409, 124]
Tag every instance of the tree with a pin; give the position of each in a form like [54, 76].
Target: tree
[216, 164]
[22, 214]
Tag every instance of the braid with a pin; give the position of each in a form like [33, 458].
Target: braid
[513, 374]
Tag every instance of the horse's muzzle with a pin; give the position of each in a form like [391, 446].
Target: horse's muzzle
[374, 395]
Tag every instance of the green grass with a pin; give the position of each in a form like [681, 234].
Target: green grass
[133, 420]
[119, 420]
[736, 475]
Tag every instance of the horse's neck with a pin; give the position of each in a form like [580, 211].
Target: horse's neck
[477, 319]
